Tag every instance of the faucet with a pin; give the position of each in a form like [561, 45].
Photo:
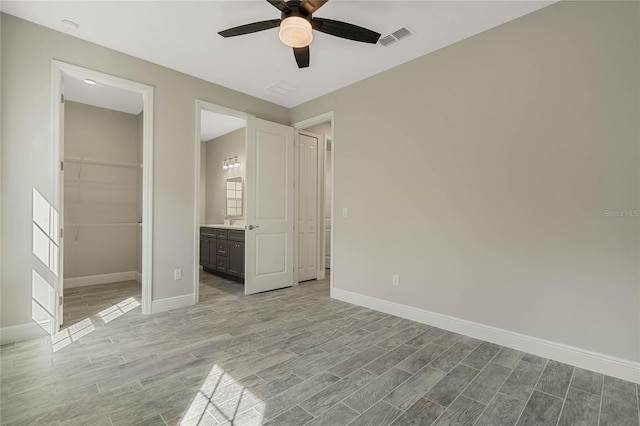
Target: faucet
[230, 219]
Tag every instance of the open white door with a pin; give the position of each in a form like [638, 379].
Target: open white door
[269, 206]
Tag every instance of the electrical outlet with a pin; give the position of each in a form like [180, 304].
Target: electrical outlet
[395, 280]
[345, 212]
[177, 274]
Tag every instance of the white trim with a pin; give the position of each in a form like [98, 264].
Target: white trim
[207, 106]
[170, 303]
[583, 358]
[100, 279]
[20, 333]
[58, 70]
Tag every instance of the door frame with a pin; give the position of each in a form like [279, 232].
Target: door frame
[58, 70]
[320, 273]
[301, 125]
[202, 105]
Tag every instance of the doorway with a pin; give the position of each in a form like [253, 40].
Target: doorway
[103, 192]
[265, 229]
[314, 183]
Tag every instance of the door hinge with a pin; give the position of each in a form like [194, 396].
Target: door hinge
[59, 300]
[61, 98]
[62, 166]
[61, 232]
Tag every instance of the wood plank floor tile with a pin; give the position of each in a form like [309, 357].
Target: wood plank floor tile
[288, 356]
[422, 413]
[541, 410]
[580, 409]
[463, 411]
[502, 410]
[381, 414]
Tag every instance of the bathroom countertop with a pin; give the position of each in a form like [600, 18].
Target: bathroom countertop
[221, 226]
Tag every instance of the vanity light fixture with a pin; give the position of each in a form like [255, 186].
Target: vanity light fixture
[230, 163]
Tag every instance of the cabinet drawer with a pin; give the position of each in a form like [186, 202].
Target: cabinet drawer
[236, 235]
[222, 247]
[208, 232]
[221, 233]
[222, 263]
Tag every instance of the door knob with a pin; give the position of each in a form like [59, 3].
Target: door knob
[251, 227]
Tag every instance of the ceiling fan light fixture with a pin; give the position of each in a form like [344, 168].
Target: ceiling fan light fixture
[296, 31]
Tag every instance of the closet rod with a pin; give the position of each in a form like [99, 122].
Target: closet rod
[101, 162]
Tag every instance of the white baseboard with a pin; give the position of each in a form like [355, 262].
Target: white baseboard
[170, 303]
[139, 276]
[601, 363]
[20, 333]
[100, 279]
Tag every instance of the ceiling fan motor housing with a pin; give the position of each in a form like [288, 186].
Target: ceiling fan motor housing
[295, 10]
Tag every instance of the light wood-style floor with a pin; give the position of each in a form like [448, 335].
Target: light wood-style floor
[287, 357]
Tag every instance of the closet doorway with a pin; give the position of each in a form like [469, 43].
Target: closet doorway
[314, 196]
[103, 181]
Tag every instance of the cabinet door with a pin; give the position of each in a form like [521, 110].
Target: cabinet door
[204, 251]
[236, 258]
[212, 253]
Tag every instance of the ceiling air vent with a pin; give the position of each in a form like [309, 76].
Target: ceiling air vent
[387, 40]
[282, 88]
[395, 36]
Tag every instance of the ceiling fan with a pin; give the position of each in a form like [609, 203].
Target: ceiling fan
[296, 25]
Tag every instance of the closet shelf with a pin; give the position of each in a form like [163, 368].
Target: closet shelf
[104, 224]
[101, 162]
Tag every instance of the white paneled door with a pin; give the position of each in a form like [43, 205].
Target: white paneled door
[269, 206]
[307, 199]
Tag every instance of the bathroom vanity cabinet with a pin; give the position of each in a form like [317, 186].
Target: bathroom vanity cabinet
[222, 251]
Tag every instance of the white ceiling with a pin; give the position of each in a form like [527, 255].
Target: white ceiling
[102, 96]
[214, 125]
[182, 35]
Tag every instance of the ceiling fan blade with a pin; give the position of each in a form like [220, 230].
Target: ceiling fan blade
[312, 5]
[345, 30]
[302, 56]
[250, 28]
[279, 4]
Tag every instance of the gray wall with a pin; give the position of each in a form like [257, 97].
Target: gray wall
[226, 146]
[27, 157]
[482, 174]
[96, 197]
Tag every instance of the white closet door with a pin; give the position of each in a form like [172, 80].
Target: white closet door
[307, 199]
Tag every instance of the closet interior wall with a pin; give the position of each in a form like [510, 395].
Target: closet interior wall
[102, 195]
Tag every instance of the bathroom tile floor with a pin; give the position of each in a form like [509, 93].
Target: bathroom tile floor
[286, 357]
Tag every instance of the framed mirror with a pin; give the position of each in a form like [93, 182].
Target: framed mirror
[234, 197]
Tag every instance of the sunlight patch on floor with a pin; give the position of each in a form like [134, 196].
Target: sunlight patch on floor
[225, 399]
[113, 312]
[72, 334]
[77, 331]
